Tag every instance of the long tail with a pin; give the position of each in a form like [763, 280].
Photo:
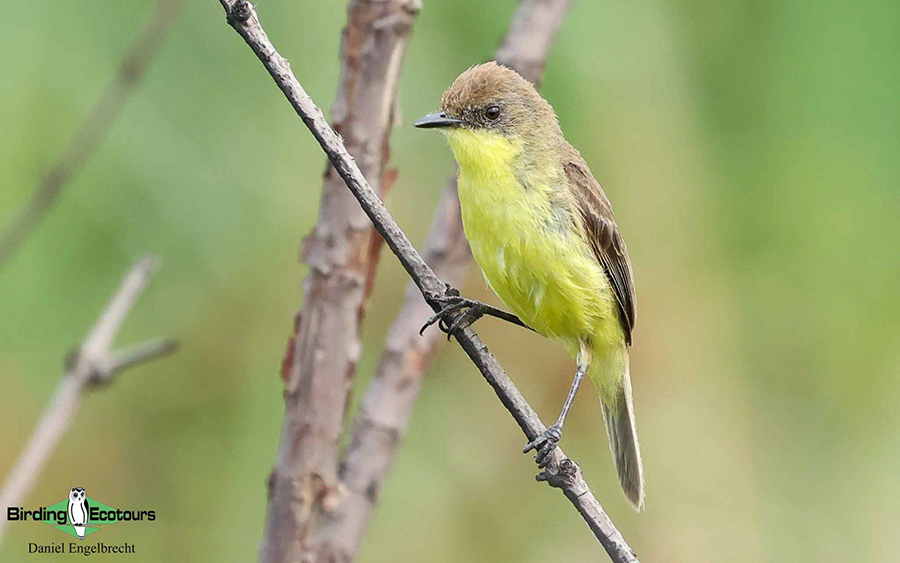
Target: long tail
[621, 429]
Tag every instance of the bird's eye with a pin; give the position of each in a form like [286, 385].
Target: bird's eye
[492, 113]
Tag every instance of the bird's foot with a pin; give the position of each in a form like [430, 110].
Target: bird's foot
[474, 310]
[544, 445]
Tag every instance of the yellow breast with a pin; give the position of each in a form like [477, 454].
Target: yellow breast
[527, 246]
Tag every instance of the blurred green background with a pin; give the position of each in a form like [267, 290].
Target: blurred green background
[750, 149]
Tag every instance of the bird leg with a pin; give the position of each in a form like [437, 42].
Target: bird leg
[474, 310]
[544, 444]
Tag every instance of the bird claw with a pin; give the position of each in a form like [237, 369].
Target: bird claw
[474, 310]
[544, 445]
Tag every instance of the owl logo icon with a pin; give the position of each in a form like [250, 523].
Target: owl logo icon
[78, 510]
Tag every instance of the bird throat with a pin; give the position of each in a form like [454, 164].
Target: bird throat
[483, 154]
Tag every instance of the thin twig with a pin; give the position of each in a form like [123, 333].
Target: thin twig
[342, 251]
[388, 403]
[93, 364]
[94, 128]
[562, 473]
[138, 354]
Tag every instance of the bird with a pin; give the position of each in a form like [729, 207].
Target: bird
[78, 510]
[543, 233]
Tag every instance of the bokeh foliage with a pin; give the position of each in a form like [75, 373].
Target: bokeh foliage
[750, 149]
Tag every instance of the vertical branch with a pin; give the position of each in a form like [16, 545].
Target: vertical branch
[342, 252]
[86, 140]
[562, 472]
[93, 365]
[386, 409]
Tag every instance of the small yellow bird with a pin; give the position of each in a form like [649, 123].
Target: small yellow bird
[543, 233]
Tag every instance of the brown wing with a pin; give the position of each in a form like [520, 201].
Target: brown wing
[603, 234]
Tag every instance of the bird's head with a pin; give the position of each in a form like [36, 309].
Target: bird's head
[490, 103]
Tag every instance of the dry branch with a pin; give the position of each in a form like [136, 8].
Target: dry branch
[388, 403]
[93, 364]
[342, 252]
[562, 472]
[131, 69]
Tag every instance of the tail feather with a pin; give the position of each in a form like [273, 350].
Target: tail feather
[621, 429]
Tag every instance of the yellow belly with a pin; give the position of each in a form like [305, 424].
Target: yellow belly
[533, 258]
[546, 276]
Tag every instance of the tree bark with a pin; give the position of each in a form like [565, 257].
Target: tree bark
[342, 253]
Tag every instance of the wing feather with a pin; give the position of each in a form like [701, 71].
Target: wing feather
[604, 237]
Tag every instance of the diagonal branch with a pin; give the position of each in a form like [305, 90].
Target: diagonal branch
[91, 365]
[131, 70]
[562, 473]
[388, 403]
[342, 252]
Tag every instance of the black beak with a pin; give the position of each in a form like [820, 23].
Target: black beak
[437, 119]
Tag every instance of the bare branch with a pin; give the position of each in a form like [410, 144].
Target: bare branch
[386, 409]
[389, 400]
[94, 363]
[137, 354]
[131, 70]
[342, 252]
[563, 472]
